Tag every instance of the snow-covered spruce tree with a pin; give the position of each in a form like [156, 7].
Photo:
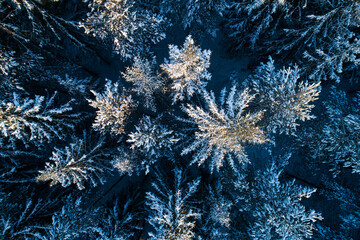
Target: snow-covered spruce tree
[347, 201]
[324, 22]
[194, 12]
[224, 129]
[18, 68]
[187, 69]
[284, 98]
[131, 31]
[113, 108]
[151, 138]
[35, 121]
[19, 213]
[172, 216]
[337, 142]
[7, 62]
[249, 20]
[75, 86]
[278, 213]
[33, 24]
[82, 162]
[128, 161]
[119, 220]
[332, 61]
[149, 142]
[146, 81]
[325, 232]
[215, 221]
[72, 221]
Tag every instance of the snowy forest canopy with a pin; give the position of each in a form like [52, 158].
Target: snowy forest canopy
[179, 119]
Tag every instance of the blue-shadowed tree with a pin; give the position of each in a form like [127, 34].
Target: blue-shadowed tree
[323, 23]
[120, 219]
[215, 222]
[129, 30]
[84, 162]
[346, 200]
[332, 61]
[334, 139]
[71, 221]
[191, 14]
[278, 213]
[36, 121]
[249, 21]
[20, 213]
[172, 213]
[31, 23]
[282, 95]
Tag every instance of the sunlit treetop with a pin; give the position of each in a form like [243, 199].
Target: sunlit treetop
[187, 68]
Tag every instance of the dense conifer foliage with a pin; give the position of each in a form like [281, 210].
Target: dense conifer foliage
[179, 119]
